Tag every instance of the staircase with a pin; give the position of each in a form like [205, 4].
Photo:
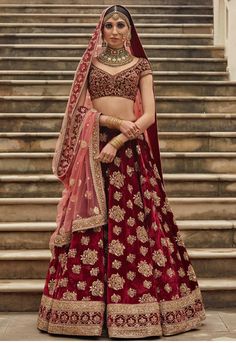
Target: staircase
[41, 42]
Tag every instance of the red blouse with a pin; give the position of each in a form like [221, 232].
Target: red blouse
[124, 83]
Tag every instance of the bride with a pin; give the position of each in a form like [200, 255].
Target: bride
[118, 258]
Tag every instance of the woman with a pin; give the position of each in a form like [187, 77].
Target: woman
[118, 258]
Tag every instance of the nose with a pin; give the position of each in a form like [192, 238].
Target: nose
[114, 30]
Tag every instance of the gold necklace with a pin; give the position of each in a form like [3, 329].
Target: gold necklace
[115, 57]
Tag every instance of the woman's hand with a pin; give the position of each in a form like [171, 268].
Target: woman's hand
[130, 129]
[107, 154]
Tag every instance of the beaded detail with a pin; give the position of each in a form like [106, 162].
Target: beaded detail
[123, 84]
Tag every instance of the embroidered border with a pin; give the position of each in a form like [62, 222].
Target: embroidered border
[71, 317]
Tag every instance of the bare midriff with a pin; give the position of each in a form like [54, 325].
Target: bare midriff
[115, 106]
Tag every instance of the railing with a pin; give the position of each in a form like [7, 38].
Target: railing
[225, 31]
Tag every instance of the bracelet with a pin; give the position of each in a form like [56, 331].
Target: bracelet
[113, 123]
[116, 142]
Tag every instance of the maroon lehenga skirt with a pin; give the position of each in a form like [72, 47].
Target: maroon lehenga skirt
[132, 277]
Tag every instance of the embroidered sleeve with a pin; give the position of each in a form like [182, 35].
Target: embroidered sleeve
[145, 67]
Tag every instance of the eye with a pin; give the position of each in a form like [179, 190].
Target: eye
[108, 26]
[120, 25]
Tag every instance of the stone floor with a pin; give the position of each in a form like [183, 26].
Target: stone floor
[220, 325]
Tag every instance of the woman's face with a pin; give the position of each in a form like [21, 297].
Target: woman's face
[115, 32]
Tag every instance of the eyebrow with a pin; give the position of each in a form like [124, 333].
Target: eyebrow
[119, 21]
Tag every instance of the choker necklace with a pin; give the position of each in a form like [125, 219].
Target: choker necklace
[115, 57]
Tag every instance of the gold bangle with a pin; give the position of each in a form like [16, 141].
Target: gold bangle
[116, 142]
[113, 123]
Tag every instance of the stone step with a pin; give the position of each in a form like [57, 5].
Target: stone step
[71, 50]
[109, 2]
[25, 295]
[91, 18]
[44, 75]
[33, 264]
[162, 88]
[196, 234]
[83, 38]
[169, 141]
[89, 27]
[184, 208]
[194, 122]
[97, 9]
[178, 162]
[165, 104]
[66, 65]
[177, 185]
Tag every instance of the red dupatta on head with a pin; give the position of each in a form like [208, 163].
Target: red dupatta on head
[83, 202]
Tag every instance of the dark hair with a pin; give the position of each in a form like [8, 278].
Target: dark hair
[121, 9]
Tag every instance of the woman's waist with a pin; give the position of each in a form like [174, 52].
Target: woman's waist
[116, 110]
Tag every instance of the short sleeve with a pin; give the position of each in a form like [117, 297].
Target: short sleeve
[145, 67]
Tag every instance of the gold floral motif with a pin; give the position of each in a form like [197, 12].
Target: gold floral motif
[154, 226]
[97, 229]
[94, 271]
[156, 198]
[117, 161]
[184, 290]
[166, 227]
[163, 242]
[131, 239]
[97, 288]
[170, 245]
[131, 221]
[103, 137]
[131, 275]
[51, 286]
[115, 281]
[138, 200]
[178, 256]
[147, 284]
[117, 213]
[151, 242]
[76, 268]
[88, 298]
[153, 181]
[129, 204]
[159, 258]
[131, 292]
[81, 285]
[128, 152]
[145, 268]
[181, 272]
[142, 179]
[142, 234]
[117, 179]
[138, 149]
[85, 240]
[170, 272]
[130, 258]
[69, 296]
[88, 194]
[143, 250]
[130, 188]
[52, 270]
[167, 288]
[100, 243]
[117, 229]
[116, 247]
[63, 282]
[141, 216]
[146, 298]
[155, 170]
[72, 253]
[179, 239]
[157, 273]
[116, 264]
[62, 259]
[191, 273]
[72, 182]
[147, 210]
[115, 298]
[185, 255]
[117, 195]
[147, 194]
[130, 170]
[89, 256]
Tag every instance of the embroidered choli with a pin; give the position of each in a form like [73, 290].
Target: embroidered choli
[124, 83]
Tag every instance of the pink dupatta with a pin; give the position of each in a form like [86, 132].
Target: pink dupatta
[83, 202]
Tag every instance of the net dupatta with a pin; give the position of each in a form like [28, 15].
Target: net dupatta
[83, 202]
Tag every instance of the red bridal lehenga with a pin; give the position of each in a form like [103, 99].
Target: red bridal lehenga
[118, 258]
